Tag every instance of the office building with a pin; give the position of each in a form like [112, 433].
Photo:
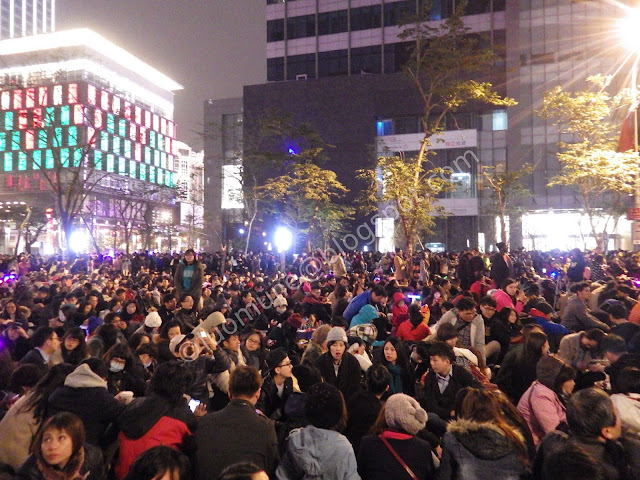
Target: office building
[19, 18]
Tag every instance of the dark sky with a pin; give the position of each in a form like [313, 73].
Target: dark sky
[212, 47]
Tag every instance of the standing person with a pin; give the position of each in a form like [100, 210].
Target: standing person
[378, 454]
[189, 277]
[400, 268]
[501, 264]
[59, 452]
[236, 433]
[319, 451]
[484, 442]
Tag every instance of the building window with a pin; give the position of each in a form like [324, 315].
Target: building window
[384, 127]
[333, 63]
[397, 13]
[441, 9]
[301, 65]
[365, 18]
[301, 27]
[275, 30]
[496, 120]
[275, 69]
[396, 55]
[333, 22]
[366, 60]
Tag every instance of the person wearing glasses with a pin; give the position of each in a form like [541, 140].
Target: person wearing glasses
[45, 343]
[277, 386]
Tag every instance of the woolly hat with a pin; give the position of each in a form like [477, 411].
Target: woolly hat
[403, 412]
[295, 320]
[324, 406]
[280, 301]
[337, 334]
[153, 320]
[547, 370]
[276, 357]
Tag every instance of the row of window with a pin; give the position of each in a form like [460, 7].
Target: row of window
[367, 17]
[68, 157]
[362, 60]
[73, 93]
[495, 120]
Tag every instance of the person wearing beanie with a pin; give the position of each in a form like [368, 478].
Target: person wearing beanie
[403, 419]
[337, 366]
[277, 386]
[318, 450]
[543, 404]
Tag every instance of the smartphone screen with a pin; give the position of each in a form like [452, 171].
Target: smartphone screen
[193, 404]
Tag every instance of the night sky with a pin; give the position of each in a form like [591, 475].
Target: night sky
[213, 48]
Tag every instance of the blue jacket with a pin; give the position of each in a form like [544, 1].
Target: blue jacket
[356, 304]
[550, 328]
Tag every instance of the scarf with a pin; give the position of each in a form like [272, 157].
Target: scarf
[395, 383]
[71, 471]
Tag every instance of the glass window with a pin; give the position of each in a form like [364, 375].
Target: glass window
[77, 157]
[48, 159]
[275, 30]
[403, 125]
[333, 22]
[116, 145]
[441, 9]
[275, 69]
[132, 168]
[122, 166]
[15, 141]
[122, 127]
[301, 27]
[72, 136]
[8, 161]
[111, 123]
[22, 161]
[127, 148]
[64, 157]
[384, 127]
[301, 65]
[396, 56]
[37, 159]
[333, 63]
[8, 120]
[3, 141]
[397, 13]
[143, 171]
[366, 60]
[49, 116]
[110, 163]
[104, 141]
[97, 160]
[42, 139]
[365, 18]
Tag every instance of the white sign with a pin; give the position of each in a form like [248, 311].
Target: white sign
[444, 140]
[232, 187]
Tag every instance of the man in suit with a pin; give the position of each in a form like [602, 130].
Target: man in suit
[501, 265]
[237, 433]
[45, 342]
[441, 384]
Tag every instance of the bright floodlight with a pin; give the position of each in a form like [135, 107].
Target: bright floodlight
[79, 241]
[241, 231]
[628, 29]
[283, 239]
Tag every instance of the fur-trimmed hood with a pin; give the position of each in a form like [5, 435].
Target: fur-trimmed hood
[483, 440]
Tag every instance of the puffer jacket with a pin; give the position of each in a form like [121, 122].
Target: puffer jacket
[477, 451]
[319, 454]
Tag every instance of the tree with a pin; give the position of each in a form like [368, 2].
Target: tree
[589, 162]
[442, 62]
[506, 189]
[302, 196]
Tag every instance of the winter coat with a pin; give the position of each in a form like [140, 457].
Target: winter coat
[549, 328]
[349, 373]
[356, 304]
[148, 422]
[406, 332]
[363, 409]
[270, 403]
[85, 394]
[234, 434]
[477, 451]
[477, 329]
[196, 281]
[17, 430]
[318, 454]
[503, 300]
[443, 403]
[367, 314]
[376, 462]
[576, 317]
[542, 410]
[92, 467]
[571, 352]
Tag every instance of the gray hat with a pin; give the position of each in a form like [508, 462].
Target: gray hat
[404, 413]
[337, 334]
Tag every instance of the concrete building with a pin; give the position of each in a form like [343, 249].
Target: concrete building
[74, 105]
[190, 195]
[19, 18]
[336, 64]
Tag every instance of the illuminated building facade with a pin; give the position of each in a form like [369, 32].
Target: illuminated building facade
[72, 101]
[19, 18]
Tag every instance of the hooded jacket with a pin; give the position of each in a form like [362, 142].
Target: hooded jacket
[319, 454]
[477, 451]
[148, 422]
[85, 394]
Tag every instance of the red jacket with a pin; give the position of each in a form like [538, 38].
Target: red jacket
[407, 332]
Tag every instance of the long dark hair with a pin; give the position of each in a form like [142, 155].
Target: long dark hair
[403, 357]
[532, 351]
[78, 354]
[39, 395]
[415, 316]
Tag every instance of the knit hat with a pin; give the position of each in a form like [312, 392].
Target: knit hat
[547, 370]
[153, 320]
[295, 320]
[337, 334]
[275, 358]
[403, 412]
[324, 406]
[280, 301]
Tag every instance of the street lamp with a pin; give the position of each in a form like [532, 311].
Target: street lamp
[283, 238]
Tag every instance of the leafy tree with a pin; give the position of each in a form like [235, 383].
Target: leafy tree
[445, 64]
[589, 162]
[506, 189]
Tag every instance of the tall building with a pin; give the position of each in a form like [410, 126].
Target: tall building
[190, 195]
[19, 18]
[336, 64]
[76, 108]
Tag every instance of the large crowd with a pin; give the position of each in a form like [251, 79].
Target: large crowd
[351, 365]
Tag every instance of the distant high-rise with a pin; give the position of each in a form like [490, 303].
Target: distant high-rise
[19, 18]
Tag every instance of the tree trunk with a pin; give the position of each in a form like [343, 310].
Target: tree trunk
[21, 229]
[250, 227]
[93, 238]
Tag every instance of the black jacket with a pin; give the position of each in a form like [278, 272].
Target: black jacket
[348, 379]
[270, 403]
[363, 409]
[443, 403]
[376, 462]
[234, 434]
[34, 357]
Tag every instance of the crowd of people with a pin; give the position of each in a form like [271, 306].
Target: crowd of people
[519, 365]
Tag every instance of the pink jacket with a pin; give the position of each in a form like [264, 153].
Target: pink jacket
[504, 300]
[542, 409]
